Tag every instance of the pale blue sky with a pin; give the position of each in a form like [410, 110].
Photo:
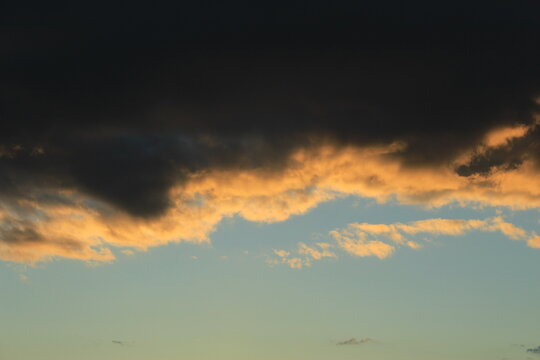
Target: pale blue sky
[471, 297]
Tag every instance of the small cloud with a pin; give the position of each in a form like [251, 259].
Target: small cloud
[122, 343]
[297, 263]
[316, 254]
[535, 350]
[292, 262]
[128, 252]
[23, 278]
[282, 253]
[195, 257]
[303, 256]
[534, 241]
[414, 245]
[355, 341]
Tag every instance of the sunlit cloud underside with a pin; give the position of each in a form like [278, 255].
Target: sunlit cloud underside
[66, 223]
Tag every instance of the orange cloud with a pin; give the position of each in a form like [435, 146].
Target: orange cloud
[314, 253]
[534, 241]
[292, 262]
[501, 136]
[364, 239]
[382, 240]
[86, 228]
[362, 248]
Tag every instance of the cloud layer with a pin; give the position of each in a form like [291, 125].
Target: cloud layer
[68, 223]
[138, 127]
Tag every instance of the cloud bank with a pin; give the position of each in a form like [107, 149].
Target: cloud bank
[133, 128]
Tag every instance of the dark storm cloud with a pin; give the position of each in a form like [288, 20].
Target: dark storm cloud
[535, 350]
[122, 102]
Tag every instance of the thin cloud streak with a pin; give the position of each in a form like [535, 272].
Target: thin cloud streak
[355, 341]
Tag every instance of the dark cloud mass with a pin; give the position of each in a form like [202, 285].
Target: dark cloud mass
[535, 350]
[123, 101]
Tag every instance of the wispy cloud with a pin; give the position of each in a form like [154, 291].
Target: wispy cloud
[535, 350]
[303, 256]
[316, 253]
[123, 343]
[284, 257]
[355, 341]
[382, 240]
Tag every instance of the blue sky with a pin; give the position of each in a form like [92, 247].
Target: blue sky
[470, 297]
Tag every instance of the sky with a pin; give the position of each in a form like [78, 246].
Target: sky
[270, 180]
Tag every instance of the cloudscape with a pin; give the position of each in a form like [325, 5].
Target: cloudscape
[290, 142]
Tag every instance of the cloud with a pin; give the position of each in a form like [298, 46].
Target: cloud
[155, 133]
[361, 247]
[535, 350]
[123, 343]
[364, 239]
[316, 254]
[382, 240]
[534, 241]
[49, 223]
[355, 341]
[303, 256]
[283, 257]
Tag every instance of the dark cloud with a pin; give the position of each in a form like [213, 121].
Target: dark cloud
[535, 350]
[122, 102]
[123, 343]
[355, 341]
[508, 156]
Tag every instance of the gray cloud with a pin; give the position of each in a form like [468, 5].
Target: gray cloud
[355, 341]
[123, 343]
[122, 107]
[535, 350]
[101, 118]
